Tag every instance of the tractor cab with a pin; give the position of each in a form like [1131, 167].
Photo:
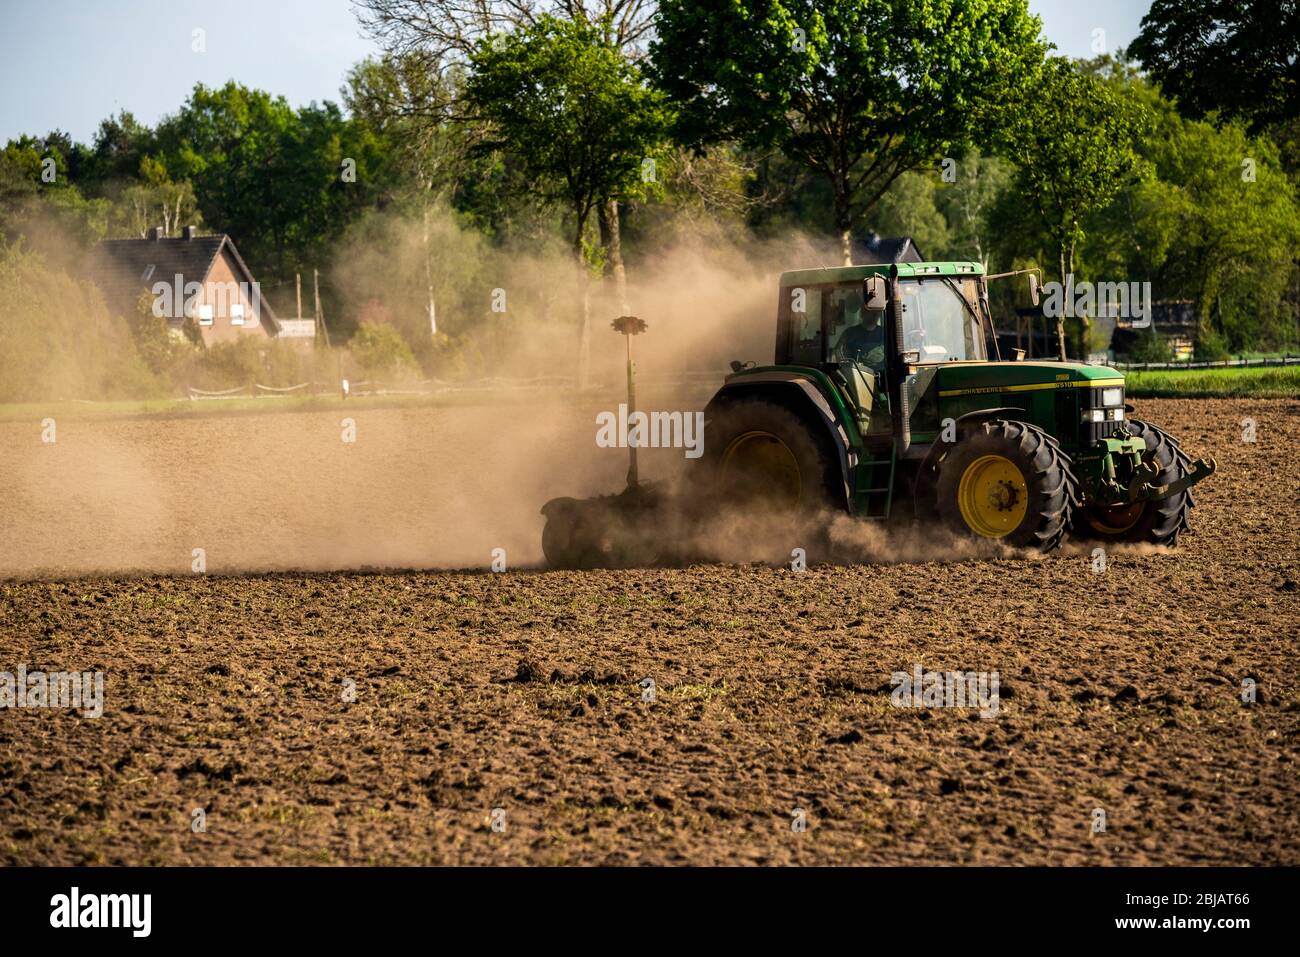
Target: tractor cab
[838, 321]
[825, 313]
[941, 321]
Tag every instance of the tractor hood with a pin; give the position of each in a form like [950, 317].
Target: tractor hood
[971, 378]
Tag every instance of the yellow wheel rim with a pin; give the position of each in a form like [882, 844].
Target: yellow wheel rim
[992, 496]
[760, 465]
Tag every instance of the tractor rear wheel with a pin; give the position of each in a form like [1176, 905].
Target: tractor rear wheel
[762, 455]
[1155, 522]
[1009, 481]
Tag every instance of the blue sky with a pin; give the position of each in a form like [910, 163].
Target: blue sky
[68, 64]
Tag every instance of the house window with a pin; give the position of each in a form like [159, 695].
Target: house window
[236, 313]
[205, 314]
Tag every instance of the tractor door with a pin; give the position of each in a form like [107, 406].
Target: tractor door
[806, 345]
[855, 339]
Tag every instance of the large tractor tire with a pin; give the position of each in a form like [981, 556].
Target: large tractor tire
[761, 455]
[1155, 522]
[1008, 481]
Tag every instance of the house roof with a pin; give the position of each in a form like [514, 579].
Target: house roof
[124, 268]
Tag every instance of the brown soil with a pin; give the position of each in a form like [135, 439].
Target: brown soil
[522, 690]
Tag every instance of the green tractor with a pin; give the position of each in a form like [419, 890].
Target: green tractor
[889, 400]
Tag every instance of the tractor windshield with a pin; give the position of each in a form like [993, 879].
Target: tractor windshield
[939, 320]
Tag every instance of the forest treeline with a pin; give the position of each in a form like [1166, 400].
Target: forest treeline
[554, 149]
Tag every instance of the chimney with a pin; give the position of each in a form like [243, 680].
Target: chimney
[188, 232]
[155, 233]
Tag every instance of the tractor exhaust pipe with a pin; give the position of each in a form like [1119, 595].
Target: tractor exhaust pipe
[898, 397]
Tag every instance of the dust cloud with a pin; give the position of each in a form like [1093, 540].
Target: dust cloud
[443, 482]
[417, 487]
[455, 481]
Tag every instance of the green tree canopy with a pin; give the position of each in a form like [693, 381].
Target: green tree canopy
[1215, 221]
[1240, 60]
[576, 114]
[1072, 140]
[573, 110]
[284, 183]
[859, 91]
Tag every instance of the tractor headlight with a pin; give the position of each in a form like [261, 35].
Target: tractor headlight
[1112, 396]
[1115, 415]
[1094, 415]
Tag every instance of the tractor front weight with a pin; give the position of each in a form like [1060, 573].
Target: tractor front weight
[1115, 473]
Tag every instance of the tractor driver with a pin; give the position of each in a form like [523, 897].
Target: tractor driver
[864, 339]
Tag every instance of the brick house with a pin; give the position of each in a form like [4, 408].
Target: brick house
[199, 278]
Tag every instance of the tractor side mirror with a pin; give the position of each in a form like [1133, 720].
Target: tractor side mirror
[873, 292]
[1034, 292]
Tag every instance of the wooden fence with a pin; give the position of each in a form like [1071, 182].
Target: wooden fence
[1286, 360]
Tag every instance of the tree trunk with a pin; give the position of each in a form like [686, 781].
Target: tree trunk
[843, 218]
[584, 320]
[584, 330]
[428, 276]
[611, 234]
[1066, 294]
[1082, 321]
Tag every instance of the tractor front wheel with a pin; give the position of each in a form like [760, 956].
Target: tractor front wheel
[1008, 481]
[1155, 522]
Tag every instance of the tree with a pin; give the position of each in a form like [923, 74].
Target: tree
[1203, 226]
[859, 91]
[229, 143]
[403, 98]
[444, 34]
[449, 31]
[285, 183]
[121, 144]
[39, 201]
[967, 202]
[380, 350]
[910, 208]
[154, 200]
[575, 113]
[57, 338]
[1239, 60]
[1073, 143]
